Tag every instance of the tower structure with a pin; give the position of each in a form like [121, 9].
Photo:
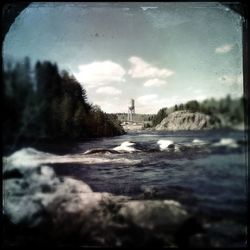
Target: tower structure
[131, 110]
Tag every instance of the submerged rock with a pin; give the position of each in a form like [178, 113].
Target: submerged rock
[186, 120]
[100, 150]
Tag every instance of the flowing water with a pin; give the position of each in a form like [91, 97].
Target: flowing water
[204, 170]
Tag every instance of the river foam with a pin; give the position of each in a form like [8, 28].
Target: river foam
[126, 146]
[199, 142]
[165, 144]
[228, 142]
[29, 157]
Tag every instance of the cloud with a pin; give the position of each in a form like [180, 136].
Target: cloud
[154, 83]
[142, 69]
[149, 104]
[112, 106]
[165, 19]
[101, 73]
[108, 90]
[146, 98]
[199, 94]
[197, 91]
[200, 97]
[232, 79]
[224, 49]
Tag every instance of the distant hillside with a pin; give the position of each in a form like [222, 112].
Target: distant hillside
[230, 112]
[186, 120]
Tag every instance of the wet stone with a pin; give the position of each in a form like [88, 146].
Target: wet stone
[71, 213]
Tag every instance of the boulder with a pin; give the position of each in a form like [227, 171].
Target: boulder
[153, 214]
[42, 208]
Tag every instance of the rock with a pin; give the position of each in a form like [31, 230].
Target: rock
[101, 150]
[186, 120]
[63, 206]
[164, 221]
[12, 173]
[166, 215]
[64, 211]
[27, 199]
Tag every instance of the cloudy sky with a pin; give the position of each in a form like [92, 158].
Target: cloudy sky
[160, 54]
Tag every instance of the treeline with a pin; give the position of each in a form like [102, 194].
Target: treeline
[229, 111]
[42, 103]
[123, 117]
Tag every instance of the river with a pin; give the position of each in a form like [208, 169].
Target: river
[204, 170]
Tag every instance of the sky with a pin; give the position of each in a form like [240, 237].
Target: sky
[159, 54]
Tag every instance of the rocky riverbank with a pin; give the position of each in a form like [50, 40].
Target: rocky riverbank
[42, 208]
[186, 120]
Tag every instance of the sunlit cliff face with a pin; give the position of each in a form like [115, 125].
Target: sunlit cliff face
[159, 54]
